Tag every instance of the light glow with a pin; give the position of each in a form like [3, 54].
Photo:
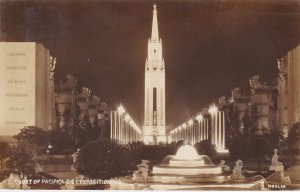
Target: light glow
[127, 118]
[190, 122]
[199, 117]
[187, 152]
[121, 110]
[213, 109]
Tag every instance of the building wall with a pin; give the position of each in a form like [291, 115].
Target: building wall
[293, 61]
[24, 86]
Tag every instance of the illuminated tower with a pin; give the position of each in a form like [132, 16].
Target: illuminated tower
[154, 130]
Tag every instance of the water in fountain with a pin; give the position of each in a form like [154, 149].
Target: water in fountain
[185, 170]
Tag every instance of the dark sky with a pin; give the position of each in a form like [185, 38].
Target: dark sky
[209, 47]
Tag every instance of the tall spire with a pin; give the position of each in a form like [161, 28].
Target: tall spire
[154, 34]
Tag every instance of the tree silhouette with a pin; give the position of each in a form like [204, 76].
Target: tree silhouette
[103, 159]
[22, 161]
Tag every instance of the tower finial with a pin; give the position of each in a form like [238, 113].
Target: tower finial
[154, 34]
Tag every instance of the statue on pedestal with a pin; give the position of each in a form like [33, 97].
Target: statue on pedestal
[142, 172]
[52, 63]
[85, 92]
[255, 82]
[276, 165]
[237, 171]
[75, 157]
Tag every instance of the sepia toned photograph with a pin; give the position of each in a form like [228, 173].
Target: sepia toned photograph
[189, 95]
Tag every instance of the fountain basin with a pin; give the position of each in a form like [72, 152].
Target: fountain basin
[181, 163]
[165, 169]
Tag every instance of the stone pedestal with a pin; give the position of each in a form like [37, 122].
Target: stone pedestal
[276, 168]
[73, 169]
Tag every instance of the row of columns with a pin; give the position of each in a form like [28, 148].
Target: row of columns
[122, 128]
[218, 129]
[212, 127]
[192, 132]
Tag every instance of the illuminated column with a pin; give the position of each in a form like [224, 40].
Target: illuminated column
[194, 132]
[223, 130]
[180, 133]
[205, 128]
[216, 129]
[127, 119]
[189, 131]
[121, 111]
[202, 129]
[112, 123]
[213, 129]
[199, 118]
[183, 133]
[219, 127]
[214, 123]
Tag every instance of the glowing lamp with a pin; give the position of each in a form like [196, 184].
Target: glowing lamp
[190, 122]
[199, 117]
[127, 118]
[213, 109]
[121, 110]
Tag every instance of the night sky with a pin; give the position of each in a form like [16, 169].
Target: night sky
[209, 47]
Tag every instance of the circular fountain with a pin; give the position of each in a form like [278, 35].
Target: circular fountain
[184, 170]
[187, 162]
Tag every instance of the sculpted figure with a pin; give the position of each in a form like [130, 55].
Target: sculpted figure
[281, 66]
[223, 101]
[85, 92]
[255, 82]
[275, 158]
[75, 156]
[52, 63]
[236, 92]
[237, 171]
[142, 172]
[71, 81]
[224, 166]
